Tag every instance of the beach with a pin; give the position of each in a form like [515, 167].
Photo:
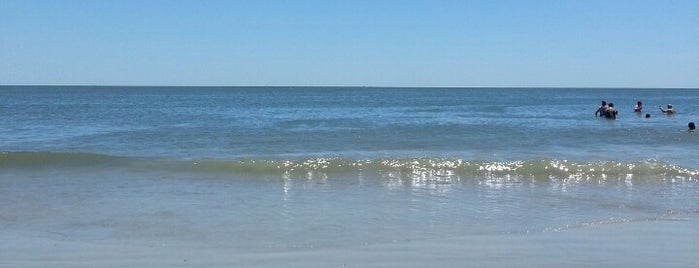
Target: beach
[345, 177]
[656, 243]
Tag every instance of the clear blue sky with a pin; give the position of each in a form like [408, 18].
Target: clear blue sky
[351, 43]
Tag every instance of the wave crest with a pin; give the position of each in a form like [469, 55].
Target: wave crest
[439, 169]
[428, 169]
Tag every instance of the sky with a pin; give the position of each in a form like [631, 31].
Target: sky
[405, 43]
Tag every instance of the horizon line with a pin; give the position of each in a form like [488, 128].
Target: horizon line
[340, 86]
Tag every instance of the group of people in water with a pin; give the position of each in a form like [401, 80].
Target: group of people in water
[607, 110]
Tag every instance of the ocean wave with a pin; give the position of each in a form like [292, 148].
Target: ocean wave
[42, 159]
[426, 169]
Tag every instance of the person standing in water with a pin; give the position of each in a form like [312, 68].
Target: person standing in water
[638, 108]
[602, 110]
[669, 109]
[611, 112]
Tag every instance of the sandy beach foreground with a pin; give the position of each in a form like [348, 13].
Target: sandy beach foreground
[654, 243]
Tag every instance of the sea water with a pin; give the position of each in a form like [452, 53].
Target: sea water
[272, 176]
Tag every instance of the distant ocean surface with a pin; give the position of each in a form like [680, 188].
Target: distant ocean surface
[289, 168]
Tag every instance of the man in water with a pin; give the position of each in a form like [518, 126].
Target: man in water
[602, 110]
[691, 126]
[638, 107]
[611, 112]
[669, 109]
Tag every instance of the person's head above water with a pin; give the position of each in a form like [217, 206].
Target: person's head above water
[691, 126]
[647, 115]
[668, 110]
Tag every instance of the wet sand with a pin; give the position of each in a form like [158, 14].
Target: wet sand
[655, 243]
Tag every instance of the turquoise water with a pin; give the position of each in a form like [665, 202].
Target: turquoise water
[288, 169]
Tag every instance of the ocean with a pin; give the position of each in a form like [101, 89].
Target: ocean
[346, 177]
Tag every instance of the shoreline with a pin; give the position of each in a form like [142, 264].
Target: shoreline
[660, 243]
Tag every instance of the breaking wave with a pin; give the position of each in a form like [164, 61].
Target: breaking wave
[428, 169]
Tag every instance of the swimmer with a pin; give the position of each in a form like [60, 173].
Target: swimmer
[669, 109]
[691, 126]
[647, 115]
[638, 107]
[611, 112]
[602, 110]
